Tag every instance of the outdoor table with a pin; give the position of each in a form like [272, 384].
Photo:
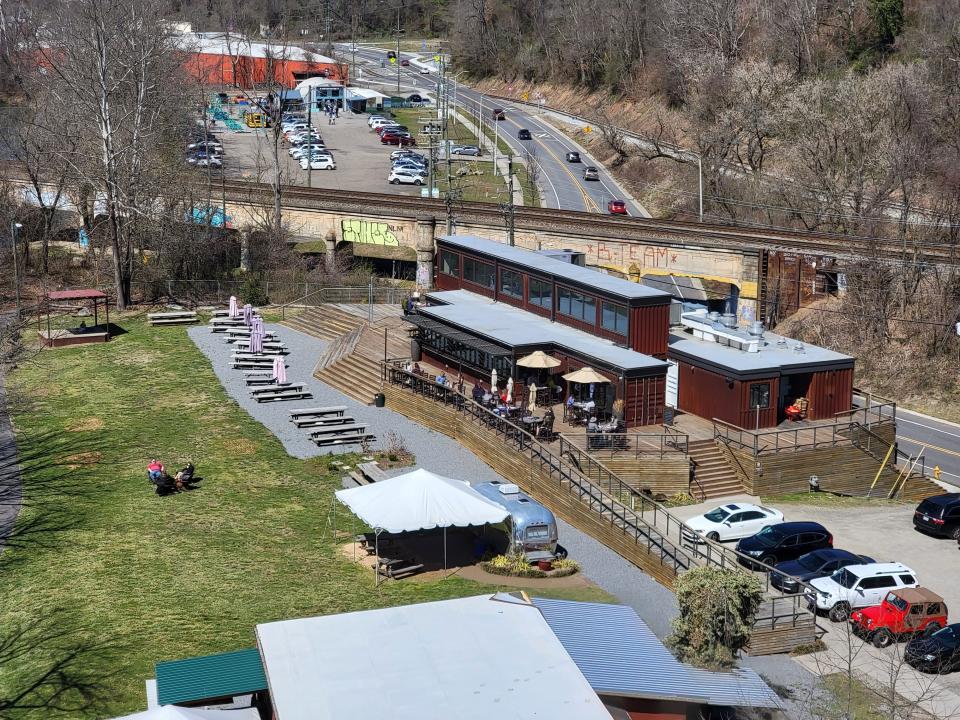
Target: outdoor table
[531, 420]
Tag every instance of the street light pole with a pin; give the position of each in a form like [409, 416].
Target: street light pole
[398, 47]
[14, 226]
[700, 173]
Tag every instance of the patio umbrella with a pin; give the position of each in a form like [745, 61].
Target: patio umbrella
[234, 310]
[584, 376]
[493, 381]
[510, 390]
[247, 314]
[533, 396]
[279, 370]
[539, 360]
[256, 341]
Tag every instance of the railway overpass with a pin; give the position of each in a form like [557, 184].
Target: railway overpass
[757, 266]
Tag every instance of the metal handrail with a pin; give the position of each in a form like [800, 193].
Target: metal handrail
[760, 441]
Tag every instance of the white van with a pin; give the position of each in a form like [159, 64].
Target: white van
[857, 586]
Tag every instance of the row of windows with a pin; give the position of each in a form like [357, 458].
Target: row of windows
[457, 351]
[613, 318]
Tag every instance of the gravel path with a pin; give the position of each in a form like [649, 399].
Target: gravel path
[10, 485]
[655, 604]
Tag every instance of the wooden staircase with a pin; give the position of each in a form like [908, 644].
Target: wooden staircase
[326, 322]
[352, 361]
[712, 475]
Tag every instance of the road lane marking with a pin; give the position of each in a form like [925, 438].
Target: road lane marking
[904, 438]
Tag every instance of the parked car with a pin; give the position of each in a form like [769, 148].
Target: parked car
[406, 153]
[212, 162]
[394, 139]
[405, 63]
[498, 114]
[298, 151]
[857, 586]
[473, 150]
[573, 157]
[410, 163]
[321, 162]
[787, 576]
[939, 515]
[903, 612]
[373, 118]
[405, 177]
[201, 144]
[939, 653]
[424, 70]
[523, 134]
[784, 541]
[731, 522]
[591, 173]
[415, 98]
[374, 124]
[617, 207]
[395, 128]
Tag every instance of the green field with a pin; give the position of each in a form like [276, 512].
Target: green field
[103, 564]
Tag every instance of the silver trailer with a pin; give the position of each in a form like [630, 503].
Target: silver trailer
[531, 528]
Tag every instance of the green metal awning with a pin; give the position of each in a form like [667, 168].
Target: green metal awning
[210, 676]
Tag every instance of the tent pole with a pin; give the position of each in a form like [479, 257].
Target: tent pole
[376, 547]
[444, 549]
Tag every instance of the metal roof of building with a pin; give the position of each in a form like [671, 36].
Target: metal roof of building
[210, 676]
[776, 354]
[511, 326]
[236, 45]
[563, 270]
[474, 658]
[620, 656]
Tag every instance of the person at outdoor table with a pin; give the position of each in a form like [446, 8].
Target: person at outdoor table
[503, 397]
[570, 400]
[416, 369]
[441, 379]
[478, 393]
[592, 426]
[548, 416]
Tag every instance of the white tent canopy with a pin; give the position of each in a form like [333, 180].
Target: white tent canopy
[420, 500]
[175, 712]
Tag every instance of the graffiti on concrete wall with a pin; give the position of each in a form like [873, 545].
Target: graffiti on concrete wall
[368, 233]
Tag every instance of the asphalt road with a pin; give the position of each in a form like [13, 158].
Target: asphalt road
[561, 183]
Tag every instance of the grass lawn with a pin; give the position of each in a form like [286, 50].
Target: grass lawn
[103, 561]
[826, 499]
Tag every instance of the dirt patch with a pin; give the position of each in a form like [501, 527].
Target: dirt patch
[242, 446]
[80, 459]
[86, 425]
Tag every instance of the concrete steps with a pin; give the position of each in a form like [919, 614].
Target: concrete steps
[356, 376]
[712, 474]
[326, 323]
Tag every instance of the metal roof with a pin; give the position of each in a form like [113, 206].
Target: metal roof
[474, 658]
[620, 656]
[210, 676]
[88, 294]
[513, 327]
[558, 268]
[459, 336]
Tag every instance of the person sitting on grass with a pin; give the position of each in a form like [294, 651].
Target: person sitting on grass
[155, 470]
[184, 477]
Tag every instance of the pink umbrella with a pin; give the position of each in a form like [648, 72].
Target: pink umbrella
[258, 324]
[233, 307]
[247, 314]
[256, 342]
[279, 371]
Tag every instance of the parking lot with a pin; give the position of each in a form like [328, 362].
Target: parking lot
[884, 531]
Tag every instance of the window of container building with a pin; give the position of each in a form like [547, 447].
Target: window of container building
[760, 395]
[541, 293]
[577, 305]
[449, 263]
[511, 283]
[614, 318]
[479, 273]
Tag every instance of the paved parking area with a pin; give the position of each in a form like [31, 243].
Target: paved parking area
[883, 531]
[362, 162]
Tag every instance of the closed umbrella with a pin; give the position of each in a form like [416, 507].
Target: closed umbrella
[493, 381]
[510, 390]
[584, 376]
[247, 314]
[256, 342]
[257, 324]
[279, 370]
[539, 360]
[533, 396]
[234, 310]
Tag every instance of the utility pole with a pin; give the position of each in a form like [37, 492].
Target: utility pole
[508, 208]
[14, 226]
[310, 136]
[700, 173]
[398, 47]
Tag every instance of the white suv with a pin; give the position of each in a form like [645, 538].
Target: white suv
[857, 586]
[407, 177]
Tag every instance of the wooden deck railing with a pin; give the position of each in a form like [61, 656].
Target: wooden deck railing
[626, 445]
[801, 437]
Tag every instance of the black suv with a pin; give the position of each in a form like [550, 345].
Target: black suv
[523, 134]
[783, 541]
[813, 565]
[939, 515]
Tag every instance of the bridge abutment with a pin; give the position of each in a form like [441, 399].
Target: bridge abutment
[425, 247]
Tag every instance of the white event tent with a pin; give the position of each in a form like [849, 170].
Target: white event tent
[421, 500]
[175, 712]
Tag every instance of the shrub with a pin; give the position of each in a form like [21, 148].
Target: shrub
[514, 565]
[717, 607]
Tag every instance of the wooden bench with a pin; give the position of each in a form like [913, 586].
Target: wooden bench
[184, 317]
[282, 395]
[318, 411]
[396, 570]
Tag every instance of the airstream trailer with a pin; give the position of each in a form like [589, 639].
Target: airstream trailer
[531, 527]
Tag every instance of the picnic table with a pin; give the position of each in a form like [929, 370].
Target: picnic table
[329, 430]
[179, 317]
[329, 410]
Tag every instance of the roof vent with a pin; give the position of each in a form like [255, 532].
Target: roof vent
[756, 329]
[798, 348]
[781, 342]
[714, 316]
[729, 320]
[509, 489]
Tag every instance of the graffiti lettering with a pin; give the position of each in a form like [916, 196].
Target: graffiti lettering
[656, 257]
[603, 252]
[368, 233]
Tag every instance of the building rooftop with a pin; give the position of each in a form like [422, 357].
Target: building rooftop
[218, 43]
[474, 658]
[620, 656]
[508, 325]
[586, 277]
[775, 354]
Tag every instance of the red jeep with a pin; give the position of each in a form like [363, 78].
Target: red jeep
[903, 612]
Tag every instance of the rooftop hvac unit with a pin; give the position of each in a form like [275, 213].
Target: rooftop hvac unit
[756, 329]
[509, 489]
[729, 320]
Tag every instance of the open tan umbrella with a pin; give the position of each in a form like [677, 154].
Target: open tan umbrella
[538, 359]
[584, 376]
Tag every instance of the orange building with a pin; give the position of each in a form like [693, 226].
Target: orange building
[225, 59]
